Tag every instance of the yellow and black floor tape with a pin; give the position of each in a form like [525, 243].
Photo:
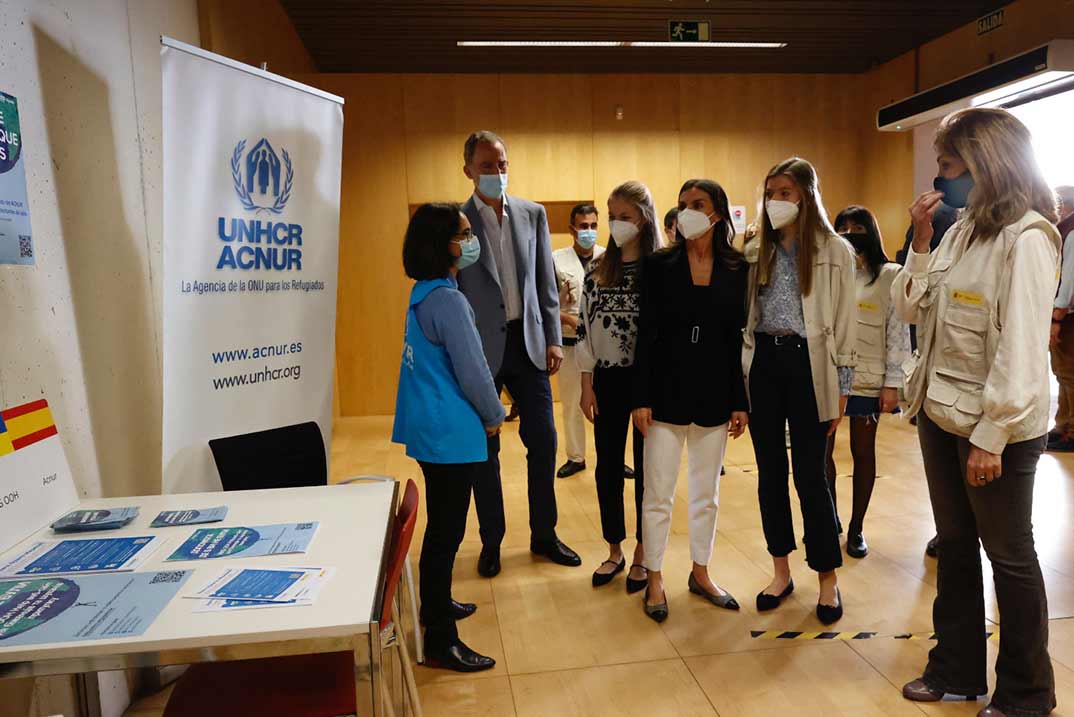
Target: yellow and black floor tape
[793, 635]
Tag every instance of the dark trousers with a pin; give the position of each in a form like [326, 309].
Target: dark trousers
[447, 501]
[781, 393]
[532, 394]
[999, 516]
[613, 387]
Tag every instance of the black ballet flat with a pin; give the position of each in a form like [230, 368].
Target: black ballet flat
[600, 579]
[632, 585]
[828, 614]
[659, 612]
[766, 602]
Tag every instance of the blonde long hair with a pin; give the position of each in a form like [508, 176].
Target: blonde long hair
[1007, 181]
[812, 221]
[609, 270]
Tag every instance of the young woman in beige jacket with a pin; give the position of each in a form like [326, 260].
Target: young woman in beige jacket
[798, 358]
[982, 302]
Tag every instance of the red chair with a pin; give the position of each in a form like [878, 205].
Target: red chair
[303, 685]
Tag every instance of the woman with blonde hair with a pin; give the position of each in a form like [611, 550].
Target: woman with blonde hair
[605, 353]
[982, 303]
[798, 357]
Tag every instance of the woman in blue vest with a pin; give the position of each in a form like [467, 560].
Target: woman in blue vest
[446, 412]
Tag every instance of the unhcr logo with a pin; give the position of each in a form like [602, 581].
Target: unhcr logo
[257, 177]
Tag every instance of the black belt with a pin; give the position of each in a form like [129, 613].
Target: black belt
[783, 341]
[570, 341]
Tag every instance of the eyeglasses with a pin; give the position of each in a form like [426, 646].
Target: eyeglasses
[467, 235]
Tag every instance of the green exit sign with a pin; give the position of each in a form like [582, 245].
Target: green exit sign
[688, 31]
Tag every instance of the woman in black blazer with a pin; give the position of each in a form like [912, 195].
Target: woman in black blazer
[688, 380]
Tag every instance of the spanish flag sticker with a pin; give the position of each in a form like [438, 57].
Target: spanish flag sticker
[866, 306]
[25, 425]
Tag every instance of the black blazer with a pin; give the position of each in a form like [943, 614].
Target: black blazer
[688, 361]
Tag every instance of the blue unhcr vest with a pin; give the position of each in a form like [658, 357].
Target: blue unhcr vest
[433, 418]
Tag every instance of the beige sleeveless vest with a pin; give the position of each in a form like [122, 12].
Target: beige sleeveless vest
[874, 300]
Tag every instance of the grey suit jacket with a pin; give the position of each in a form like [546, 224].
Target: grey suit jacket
[536, 280]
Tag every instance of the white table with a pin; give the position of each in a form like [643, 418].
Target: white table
[353, 537]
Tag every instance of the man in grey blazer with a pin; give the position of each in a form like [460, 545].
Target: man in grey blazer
[512, 289]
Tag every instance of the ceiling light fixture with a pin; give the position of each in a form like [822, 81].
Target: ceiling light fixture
[612, 43]
[719, 45]
[538, 43]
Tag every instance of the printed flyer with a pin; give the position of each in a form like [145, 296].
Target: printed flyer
[41, 610]
[251, 542]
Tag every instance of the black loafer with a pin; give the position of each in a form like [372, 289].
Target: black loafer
[632, 585]
[458, 657]
[600, 579]
[931, 547]
[488, 564]
[462, 610]
[828, 614]
[628, 472]
[766, 602]
[570, 468]
[856, 545]
[557, 552]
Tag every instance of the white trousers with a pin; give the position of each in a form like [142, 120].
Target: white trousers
[663, 455]
[570, 397]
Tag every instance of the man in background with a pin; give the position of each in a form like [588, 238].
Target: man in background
[1061, 438]
[671, 224]
[512, 289]
[571, 265]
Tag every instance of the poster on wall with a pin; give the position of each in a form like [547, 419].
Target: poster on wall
[16, 241]
[252, 165]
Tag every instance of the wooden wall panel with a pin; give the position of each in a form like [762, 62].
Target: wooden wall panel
[887, 158]
[644, 145]
[253, 31]
[735, 127]
[440, 112]
[548, 123]
[373, 289]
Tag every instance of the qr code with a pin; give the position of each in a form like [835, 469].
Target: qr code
[170, 576]
[26, 247]
[304, 526]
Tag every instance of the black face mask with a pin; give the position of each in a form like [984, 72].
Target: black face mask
[956, 192]
[858, 240]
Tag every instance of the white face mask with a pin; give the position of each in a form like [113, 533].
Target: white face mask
[623, 232]
[781, 213]
[693, 223]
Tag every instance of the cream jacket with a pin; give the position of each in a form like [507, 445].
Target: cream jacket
[983, 314]
[570, 276]
[831, 319]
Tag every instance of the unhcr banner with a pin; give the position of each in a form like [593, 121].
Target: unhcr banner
[251, 239]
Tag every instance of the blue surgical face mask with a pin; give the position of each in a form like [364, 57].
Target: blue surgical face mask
[471, 252]
[492, 186]
[587, 238]
[956, 192]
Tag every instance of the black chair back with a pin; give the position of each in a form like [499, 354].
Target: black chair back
[285, 457]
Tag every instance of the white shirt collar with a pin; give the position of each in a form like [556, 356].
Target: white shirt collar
[481, 206]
